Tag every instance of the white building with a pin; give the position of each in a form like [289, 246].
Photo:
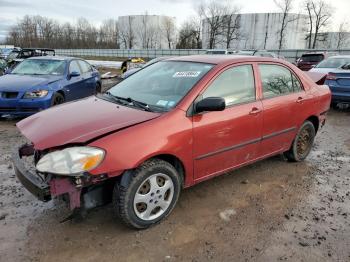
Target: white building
[261, 31]
[333, 40]
[147, 32]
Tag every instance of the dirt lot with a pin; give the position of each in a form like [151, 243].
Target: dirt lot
[270, 211]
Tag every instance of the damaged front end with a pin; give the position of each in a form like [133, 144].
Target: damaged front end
[80, 190]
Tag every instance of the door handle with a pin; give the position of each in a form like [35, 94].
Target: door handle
[300, 99]
[255, 111]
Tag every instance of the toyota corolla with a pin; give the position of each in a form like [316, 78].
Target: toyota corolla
[167, 127]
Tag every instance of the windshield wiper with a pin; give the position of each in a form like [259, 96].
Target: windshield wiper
[129, 101]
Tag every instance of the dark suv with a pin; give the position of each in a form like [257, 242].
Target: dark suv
[310, 60]
[18, 55]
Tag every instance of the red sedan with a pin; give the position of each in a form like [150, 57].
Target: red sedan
[167, 127]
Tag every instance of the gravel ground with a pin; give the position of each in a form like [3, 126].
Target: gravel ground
[270, 211]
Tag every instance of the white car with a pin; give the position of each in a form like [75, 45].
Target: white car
[332, 63]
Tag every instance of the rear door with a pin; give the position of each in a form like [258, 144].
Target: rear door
[76, 85]
[88, 77]
[282, 99]
[226, 139]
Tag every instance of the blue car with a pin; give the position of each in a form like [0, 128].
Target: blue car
[337, 69]
[41, 82]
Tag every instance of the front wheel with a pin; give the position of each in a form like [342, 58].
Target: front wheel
[150, 194]
[302, 143]
[57, 99]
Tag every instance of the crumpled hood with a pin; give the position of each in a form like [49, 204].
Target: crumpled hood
[21, 83]
[79, 122]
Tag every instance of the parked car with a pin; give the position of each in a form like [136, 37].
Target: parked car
[41, 82]
[261, 53]
[310, 60]
[4, 52]
[3, 66]
[170, 126]
[151, 62]
[337, 69]
[219, 52]
[18, 55]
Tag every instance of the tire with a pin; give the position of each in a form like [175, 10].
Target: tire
[334, 106]
[57, 99]
[149, 195]
[98, 88]
[302, 143]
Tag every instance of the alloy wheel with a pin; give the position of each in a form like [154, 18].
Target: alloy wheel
[153, 197]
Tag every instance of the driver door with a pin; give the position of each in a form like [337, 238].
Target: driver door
[227, 139]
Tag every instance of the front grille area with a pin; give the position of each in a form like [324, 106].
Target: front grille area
[7, 109]
[21, 109]
[9, 95]
[29, 109]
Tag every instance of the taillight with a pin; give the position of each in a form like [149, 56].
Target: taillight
[331, 76]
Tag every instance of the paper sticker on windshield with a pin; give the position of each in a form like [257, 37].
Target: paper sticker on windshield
[187, 74]
[162, 103]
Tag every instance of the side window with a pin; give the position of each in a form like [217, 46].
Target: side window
[236, 85]
[297, 87]
[276, 80]
[85, 67]
[74, 67]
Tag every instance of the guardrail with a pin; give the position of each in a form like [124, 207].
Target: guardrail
[290, 54]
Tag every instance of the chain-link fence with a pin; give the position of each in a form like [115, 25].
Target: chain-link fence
[290, 55]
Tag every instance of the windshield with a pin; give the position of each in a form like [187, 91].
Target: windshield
[161, 85]
[333, 62]
[312, 58]
[6, 51]
[13, 55]
[40, 67]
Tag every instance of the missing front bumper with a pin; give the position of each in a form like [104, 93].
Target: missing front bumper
[32, 182]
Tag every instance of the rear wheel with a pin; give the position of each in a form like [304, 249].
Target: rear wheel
[57, 99]
[149, 195]
[302, 143]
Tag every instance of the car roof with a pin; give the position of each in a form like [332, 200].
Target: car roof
[222, 59]
[40, 49]
[339, 56]
[47, 57]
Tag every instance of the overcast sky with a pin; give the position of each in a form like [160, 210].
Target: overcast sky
[96, 11]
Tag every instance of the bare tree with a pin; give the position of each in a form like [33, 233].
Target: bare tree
[231, 24]
[285, 6]
[108, 34]
[342, 35]
[212, 13]
[266, 31]
[168, 28]
[189, 34]
[127, 34]
[38, 31]
[319, 13]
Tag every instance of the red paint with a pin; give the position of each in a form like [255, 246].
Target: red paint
[60, 186]
[186, 138]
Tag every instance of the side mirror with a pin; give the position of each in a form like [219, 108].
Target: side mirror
[74, 74]
[210, 104]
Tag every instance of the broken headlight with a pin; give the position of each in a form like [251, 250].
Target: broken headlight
[36, 94]
[71, 161]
